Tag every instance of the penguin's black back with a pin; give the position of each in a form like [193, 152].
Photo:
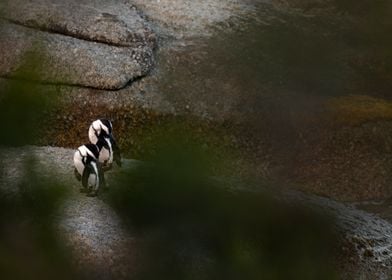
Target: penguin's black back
[108, 124]
[93, 148]
[101, 143]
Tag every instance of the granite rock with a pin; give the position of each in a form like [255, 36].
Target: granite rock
[88, 44]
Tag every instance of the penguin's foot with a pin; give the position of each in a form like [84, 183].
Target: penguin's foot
[92, 193]
[83, 190]
[106, 167]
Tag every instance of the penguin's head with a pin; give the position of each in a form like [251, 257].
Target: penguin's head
[100, 127]
[107, 127]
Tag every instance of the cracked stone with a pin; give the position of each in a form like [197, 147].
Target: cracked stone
[94, 65]
[87, 44]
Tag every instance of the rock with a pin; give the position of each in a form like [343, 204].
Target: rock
[91, 226]
[91, 44]
[71, 61]
[184, 19]
[111, 22]
[366, 235]
[76, 99]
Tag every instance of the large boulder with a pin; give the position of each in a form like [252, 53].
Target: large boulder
[111, 22]
[90, 43]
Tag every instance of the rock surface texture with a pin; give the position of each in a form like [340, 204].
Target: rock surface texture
[268, 67]
[92, 230]
[101, 242]
[366, 238]
[185, 19]
[110, 22]
[96, 44]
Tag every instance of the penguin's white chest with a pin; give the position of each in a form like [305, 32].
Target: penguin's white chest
[106, 155]
[93, 179]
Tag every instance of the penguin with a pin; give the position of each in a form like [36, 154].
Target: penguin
[87, 169]
[102, 130]
[105, 156]
[100, 127]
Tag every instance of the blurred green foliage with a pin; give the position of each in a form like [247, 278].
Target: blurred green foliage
[30, 247]
[2, 5]
[24, 106]
[193, 227]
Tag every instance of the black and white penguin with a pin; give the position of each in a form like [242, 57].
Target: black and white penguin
[87, 168]
[100, 127]
[101, 130]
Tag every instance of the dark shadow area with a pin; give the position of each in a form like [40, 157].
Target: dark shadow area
[24, 107]
[30, 202]
[193, 227]
[190, 224]
[30, 244]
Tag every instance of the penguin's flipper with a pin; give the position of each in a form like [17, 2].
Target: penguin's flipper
[101, 175]
[116, 151]
[77, 175]
[88, 169]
